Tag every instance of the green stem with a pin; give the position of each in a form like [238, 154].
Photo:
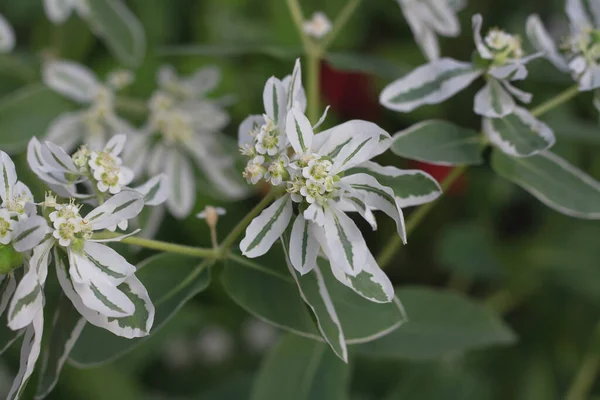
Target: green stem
[163, 246]
[237, 231]
[586, 376]
[390, 249]
[340, 22]
[298, 17]
[314, 76]
[556, 101]
[415, 219]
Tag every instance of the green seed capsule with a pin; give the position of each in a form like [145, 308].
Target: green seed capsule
[10, 259]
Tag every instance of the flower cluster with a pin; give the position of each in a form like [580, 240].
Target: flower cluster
[98, 121]
[323, 176]
[579, 53]
[183, 131]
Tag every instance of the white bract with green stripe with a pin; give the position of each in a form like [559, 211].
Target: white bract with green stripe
[500, 60]
[579, 53]
[326, 176]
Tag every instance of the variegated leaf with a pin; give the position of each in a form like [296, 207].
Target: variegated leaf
[70, 79]
[29, 232]
[304, 248]
[30, 352]
[342, 236]
[122, 206]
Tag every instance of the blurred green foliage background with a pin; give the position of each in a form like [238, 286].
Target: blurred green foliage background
[487, 238]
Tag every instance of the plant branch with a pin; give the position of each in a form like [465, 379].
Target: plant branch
[390, 249]
[340, 22]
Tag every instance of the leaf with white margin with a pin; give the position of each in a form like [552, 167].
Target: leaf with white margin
[578, 17]
[411, 187]
[248, 125]
[8, 283]
[521, 95]
[7, 36]
[58, 11]
[113, 266]
[293, 86]
[56, 159]
[493, 101]
[484, 52]
[30, 352]
[519, 134]
[137, 324]
[315, 294]
[40, 167]
[275, 101]
[331, 142]
[265, 229]
[378, 197]
[554, 181]
[71, 79]
[542, 41]
[299, 131]
[264, 288]
[122, 206]
[8, 176]
[371, 282]
[29, 232]
[440, 143]
[120, 30]
[304, 247]
[27, 300]
[67, 325]
[429, 84]
[342, 236]
[155, 190]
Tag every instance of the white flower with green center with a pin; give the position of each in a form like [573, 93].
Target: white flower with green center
[66, 229]
[429, 18]
[6, 227]
[182, 135]
[94, 124]
[330, 176]
[278, 171]
[255, 170]
[580, 54]
[499, 59]
[7, 36]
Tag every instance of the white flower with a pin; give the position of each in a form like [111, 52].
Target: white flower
[6, 226]
[211, 215]
[255, 170]
[501, 61]
[318, 26]
[184, 132]
[327, 180]
[97, 122]
[429, 18]
[580, 52]
[7, 36]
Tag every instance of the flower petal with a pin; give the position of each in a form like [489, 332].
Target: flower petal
[493, 101]
[482, 49]
[299, 131]
[120, 207]
[304, 247]
[30, 352]
[57, 160]
[29, 232]
[541, 40]
[377, 197]
[275, 100]
[116, 144]
[265, 229]
[7, 36]
[8, 176]
[519, 134]
[345, 240]
[578, 17]
[58, 11]
[70, 79]
[429, 84]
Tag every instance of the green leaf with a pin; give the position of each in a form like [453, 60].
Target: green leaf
[67, 325]
[372, 65]
[519, 134]
[171, 281]
[232, 50]
[554, 181]
[120, 30]
[440, 322]
[265, 289]
[17, 123]
[301, 369]
[439, 142]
